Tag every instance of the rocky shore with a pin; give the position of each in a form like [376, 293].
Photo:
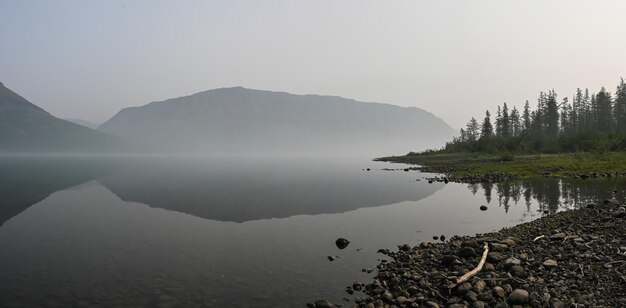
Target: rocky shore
[575, 258]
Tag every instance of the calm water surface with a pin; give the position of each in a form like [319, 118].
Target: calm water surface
[244, 232]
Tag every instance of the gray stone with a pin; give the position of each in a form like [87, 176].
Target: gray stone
[509, 242]
[467, 252]
[485, 296]
[549, 263]
[388, 297]
[498, 292]
[499, 247]
[518, 297]
[470, 243]
[512, 261]
[430, 304]
[495, 257]
[463, 288]
[516, 270]
[479, 286]
[471, 296]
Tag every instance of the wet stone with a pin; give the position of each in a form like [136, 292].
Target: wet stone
[342, 243]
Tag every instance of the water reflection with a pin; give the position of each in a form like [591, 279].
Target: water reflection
[239, 191]
[550, 194]
[26, 181]
[218, 189]
[169, 232]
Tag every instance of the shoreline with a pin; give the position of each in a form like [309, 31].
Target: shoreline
[574, 258]
[482, 167]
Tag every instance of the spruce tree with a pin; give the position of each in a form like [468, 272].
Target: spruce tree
[526, 118]
[566, 112]
[603, 111]
[515, 123]
[551, 114]
[486, 129]
[472, 131]
[506, 123]
[619, 109]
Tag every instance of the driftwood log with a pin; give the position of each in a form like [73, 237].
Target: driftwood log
[463, 279]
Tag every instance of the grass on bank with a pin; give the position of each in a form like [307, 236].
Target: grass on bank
[527, 165]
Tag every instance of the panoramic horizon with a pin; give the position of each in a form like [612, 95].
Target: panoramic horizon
[89, 60]
[319, 154]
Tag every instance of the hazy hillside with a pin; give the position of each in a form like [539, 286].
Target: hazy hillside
[255, 121]
[25, 127]
[83, 123]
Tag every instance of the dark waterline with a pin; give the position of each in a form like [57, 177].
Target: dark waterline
[251, 232]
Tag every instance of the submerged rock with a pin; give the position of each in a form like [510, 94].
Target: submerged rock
[342, 243]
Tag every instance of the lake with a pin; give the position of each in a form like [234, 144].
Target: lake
[240, 231]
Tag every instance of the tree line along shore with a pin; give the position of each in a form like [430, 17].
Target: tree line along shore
[587, 122]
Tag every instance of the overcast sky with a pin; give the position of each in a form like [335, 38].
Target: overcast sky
[89, 59]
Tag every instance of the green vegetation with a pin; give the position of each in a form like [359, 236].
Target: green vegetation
[591, 123]
[585, 137]
[529, 165]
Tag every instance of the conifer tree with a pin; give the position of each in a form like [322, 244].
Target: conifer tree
[472, 131]
[515, 123]
[486, 129]
[526, 118]
[566, 112]
[619, 109]
[499, 122]
[506, 124]
[603, 111]
[551, 114]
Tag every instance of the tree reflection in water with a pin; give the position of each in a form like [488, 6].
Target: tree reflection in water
[551, 194]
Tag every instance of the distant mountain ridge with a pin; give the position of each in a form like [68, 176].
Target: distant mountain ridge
[84, 123]
[255, 121]
[25, 127]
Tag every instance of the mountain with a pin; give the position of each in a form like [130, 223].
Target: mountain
[231, 120]
[83, 123]
[24, 127]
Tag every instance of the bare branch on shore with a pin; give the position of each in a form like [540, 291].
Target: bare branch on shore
[473, 272]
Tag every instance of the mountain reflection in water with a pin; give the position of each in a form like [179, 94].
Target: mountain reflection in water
[222, 232]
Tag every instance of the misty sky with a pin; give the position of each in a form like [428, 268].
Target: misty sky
[88, 59]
